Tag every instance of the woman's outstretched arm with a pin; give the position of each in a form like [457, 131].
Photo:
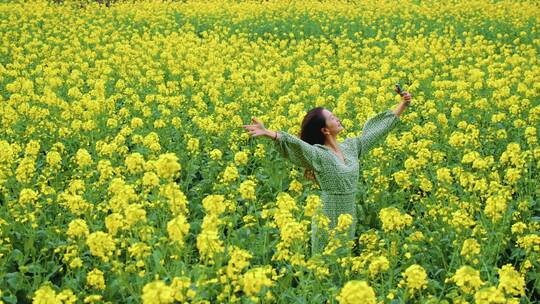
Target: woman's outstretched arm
[291, 147]
[258, 129]
[378, 126]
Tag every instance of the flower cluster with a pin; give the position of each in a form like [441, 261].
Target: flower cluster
[393, 220]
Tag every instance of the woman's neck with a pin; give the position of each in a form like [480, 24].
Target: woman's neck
[331, 141]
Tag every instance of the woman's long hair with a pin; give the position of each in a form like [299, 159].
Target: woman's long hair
[311, 133]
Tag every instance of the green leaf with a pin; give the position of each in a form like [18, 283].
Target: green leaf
[35, 268]
[17, 256]
[9, 298]
[14, 280]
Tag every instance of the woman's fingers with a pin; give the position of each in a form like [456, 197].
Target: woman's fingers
[407, 97]
[249, 127]
[257, 122]
[254, 133]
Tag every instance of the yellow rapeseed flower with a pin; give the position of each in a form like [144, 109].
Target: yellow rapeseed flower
[157, 292]
[83, 158]
[77, 229]
[178, 228]
[415, 278]
[255, 279]
[378, 265]
[167, 166]
[101, 244]
[468, 279]
[393, 220]
[241, 158]
[95, 279]
[356, 292]
[511, 282]
[490, 295]
[247, 190]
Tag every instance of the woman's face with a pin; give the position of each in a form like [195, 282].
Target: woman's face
[333, 125]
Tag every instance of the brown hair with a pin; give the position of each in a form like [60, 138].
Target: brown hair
[311, 133]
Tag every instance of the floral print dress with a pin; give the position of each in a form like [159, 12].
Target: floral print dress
[338, 179]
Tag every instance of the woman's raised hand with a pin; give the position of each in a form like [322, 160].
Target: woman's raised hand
[406, 98]
[256, 129]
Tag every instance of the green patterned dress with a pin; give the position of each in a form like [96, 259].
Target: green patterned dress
[338, 179]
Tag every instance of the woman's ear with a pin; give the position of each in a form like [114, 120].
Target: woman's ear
[324, 131]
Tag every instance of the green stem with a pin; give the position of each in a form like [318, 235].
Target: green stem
[406, 297]
[188, 176]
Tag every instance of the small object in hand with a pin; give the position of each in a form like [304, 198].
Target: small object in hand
[399, 90]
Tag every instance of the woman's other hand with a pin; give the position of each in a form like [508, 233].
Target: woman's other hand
[404, 104]
[256, 129]
[406, 98]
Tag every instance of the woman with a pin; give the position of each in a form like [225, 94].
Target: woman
[334, 164]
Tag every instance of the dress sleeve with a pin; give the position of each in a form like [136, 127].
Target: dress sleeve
[375, 129]
[297, 151]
